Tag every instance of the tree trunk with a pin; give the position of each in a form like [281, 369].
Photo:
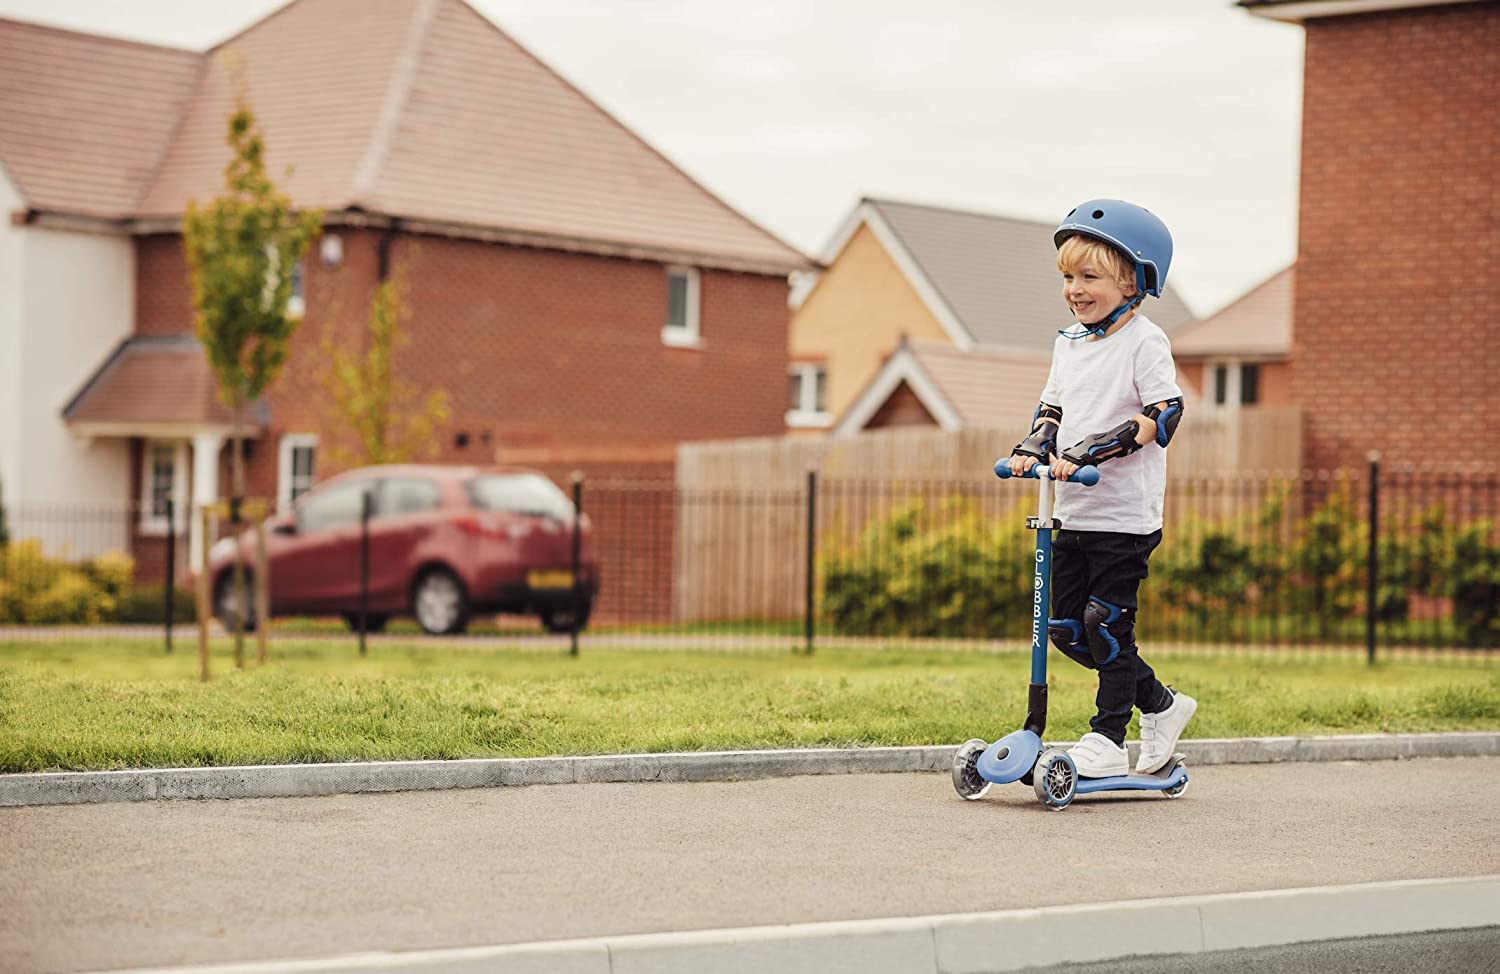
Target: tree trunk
[237, 468]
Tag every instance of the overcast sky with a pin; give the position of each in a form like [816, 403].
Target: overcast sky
[791, 110]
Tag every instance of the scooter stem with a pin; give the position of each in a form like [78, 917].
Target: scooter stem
[1036, 696]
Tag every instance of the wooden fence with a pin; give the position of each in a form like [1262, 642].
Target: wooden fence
[742, 506]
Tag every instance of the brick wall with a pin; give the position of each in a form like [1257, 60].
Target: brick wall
[551, 360]
[902, 408]
[1399, 236]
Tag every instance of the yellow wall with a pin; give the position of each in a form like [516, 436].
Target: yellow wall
[855, 317]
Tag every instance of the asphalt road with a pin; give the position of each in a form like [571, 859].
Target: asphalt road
[1447, 952]
[128, 885]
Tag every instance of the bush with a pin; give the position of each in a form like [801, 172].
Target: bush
[147, 604]
[946, 572]
[39, 590]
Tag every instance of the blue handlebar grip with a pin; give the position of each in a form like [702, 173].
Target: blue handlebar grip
[1088, 476]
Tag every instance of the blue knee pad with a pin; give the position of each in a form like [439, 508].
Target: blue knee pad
[1098, 617]
[1067, 635]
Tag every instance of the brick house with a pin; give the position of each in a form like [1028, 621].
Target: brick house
[907, 291]
[1240, 356]
[1398, 230]
[584, 302]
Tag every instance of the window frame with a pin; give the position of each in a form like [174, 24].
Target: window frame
[806, 414]
[285, 474]
[152, 523]
[690, 333]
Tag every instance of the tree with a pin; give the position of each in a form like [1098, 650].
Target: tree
[241, 250]
[4, 529]
[391, 421]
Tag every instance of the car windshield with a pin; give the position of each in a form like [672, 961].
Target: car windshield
[521, 493]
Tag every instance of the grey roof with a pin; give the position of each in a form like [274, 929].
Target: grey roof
[998, 275]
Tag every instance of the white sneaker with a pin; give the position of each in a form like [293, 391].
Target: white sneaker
[1159, 733]
[1097, 757]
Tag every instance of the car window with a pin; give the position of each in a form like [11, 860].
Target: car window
[525, 493]
[332, 506]
[407, 495]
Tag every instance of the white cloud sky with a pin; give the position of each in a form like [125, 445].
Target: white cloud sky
[793, 109]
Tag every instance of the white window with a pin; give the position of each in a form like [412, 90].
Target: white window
[296, 468]
[163, 479]
[296, 304]
[682, 327]
[1235, 383]
[808, 395]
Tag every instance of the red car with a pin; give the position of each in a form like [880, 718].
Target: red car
[445, 543]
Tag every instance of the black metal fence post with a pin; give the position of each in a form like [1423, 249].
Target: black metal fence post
[171, 586]
[366, 504]
[1374, 557]
[577, 547]
[812, 556]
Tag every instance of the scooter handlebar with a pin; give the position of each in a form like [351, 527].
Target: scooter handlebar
[1088, 476]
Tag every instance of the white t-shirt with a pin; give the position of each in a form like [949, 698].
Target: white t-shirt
[1099, 385]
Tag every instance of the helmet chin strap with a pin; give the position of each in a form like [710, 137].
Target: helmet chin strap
[1100, 327]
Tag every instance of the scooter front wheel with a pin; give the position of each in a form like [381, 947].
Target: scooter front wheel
[966, 780]
[1055, 778]
[1176, 790]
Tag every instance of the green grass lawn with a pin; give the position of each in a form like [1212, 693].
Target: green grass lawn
[104, 704]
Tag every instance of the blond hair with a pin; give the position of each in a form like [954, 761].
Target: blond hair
[1078, 251]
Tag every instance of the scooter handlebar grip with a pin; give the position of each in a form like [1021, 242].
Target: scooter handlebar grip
[1088, 476]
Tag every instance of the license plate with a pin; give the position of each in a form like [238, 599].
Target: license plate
[553, 579]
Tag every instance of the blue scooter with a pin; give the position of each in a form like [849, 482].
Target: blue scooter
[1019, 756]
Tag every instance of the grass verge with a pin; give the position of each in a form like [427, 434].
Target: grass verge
[109, 704]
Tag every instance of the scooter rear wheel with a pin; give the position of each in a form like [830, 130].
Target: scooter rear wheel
[1055, 779]
[966, 780]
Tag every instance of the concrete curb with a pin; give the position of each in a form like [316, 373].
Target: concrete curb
[970, 943]
[299, 780]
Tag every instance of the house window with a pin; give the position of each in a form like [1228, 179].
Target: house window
[296, 468]
[163, 479]
[1221, 384]
[297, 303]
[682, 327]
[1249, 383]
[808, 392]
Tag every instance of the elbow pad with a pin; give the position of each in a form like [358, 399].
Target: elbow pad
[1043, 439]
[1094, 450]
[1166, 420]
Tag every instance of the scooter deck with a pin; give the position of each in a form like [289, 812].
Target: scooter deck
[1169, 775]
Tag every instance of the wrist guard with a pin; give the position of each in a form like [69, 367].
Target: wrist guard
[1094, 450]
[1043, 439]
[1166, 420]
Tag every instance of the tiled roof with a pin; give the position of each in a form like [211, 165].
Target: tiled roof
[998, 275]
[976, 389]
[84, 119]
[156, 380]
[1255, 325]
[418, 109]
[987, 389]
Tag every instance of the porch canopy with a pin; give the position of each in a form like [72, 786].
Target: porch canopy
[161, 387]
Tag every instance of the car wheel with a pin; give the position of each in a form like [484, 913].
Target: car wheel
[439, 603]
[227, 605]
[374, 621]
[561, 619]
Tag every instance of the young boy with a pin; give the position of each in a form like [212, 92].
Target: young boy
[1112, 397]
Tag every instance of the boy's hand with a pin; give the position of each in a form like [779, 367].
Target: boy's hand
[1020, 463]
[1063, 469]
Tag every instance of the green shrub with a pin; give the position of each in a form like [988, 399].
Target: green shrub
[948, 571]
[146, 604]
[40, 590]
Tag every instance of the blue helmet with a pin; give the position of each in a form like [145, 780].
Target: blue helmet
[1134, 229]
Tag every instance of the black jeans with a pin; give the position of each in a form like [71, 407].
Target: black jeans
[1109, 567]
